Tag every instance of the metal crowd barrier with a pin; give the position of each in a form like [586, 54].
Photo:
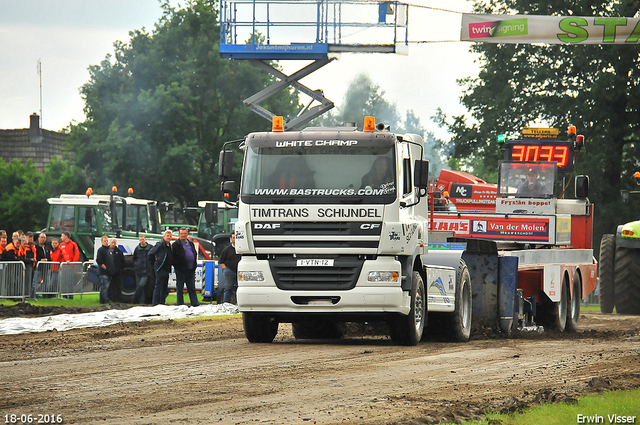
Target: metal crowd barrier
[64, 279]
[13, 280]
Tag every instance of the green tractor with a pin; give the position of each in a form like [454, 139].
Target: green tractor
[619, 267]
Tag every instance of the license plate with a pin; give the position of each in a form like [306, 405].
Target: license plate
[315, 263]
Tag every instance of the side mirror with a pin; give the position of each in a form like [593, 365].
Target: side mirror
[225, 164]
[625, 197]
[153, 212]
[421, 173]
[228, 188]
[211, 212]
[582, 187]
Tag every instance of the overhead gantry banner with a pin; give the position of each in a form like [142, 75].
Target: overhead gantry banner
[550, 29]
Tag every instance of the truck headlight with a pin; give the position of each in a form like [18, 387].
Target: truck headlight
[382, 276]
[251, 276]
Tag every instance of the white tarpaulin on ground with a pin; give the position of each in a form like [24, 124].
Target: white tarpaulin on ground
[550, 29]
[65, 322]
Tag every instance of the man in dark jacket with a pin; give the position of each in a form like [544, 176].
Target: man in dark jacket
[110, 261]
[185, 260]
[142, 268]
[162, 259]
[229, 264]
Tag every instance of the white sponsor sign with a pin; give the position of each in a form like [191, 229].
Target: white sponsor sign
[550, 29]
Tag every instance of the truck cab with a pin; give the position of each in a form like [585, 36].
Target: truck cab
[333, 227]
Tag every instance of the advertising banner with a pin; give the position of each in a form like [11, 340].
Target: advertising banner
[550, 29]
[534, 229]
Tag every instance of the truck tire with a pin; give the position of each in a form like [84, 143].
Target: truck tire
[573, 315]
[407, 330]
[318, 329]
[457, 325]
[259, 327]
[554, 314]
[605, 273]
[626, 280]
[123, 287]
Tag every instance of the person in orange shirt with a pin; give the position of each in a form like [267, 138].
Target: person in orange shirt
[10, 252]
[70, 254]
[3, 242]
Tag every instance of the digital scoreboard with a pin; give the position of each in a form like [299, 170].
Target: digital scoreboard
[541, 151]
[540, 145]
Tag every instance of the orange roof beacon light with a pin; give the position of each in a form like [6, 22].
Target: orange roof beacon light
[114, 189]
[369, 124]
[89, 192]
[130, 191]
[636, 176]
[277, 124]
[571, 129]
[579, 141]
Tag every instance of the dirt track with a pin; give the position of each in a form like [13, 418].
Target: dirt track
[204, 371]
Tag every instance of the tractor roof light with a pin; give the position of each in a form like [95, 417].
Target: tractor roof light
[89, 192]
[502, 138]
[636, 176]
[130, 191]
[114, 189]
[277, 124]
[571, 132]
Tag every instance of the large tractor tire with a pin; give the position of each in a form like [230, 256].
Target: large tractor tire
[259, 327]
[407, 330]
[318, 329]
[123, 287]
[573, 316]
[554, 314]
[626, 280]
[605, 273]
[457, 326]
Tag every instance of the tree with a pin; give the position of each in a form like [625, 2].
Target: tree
[159, 110]
[364, 98]
[23, 204]
[594, 87]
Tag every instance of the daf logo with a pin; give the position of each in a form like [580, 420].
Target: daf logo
[266, 225]
[369, 226]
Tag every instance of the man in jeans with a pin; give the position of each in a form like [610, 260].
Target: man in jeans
[185, 260]
[229, 263]
[105, 269]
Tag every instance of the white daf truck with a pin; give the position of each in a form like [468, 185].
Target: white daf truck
[332, 228]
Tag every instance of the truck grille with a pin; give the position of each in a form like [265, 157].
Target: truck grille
[343, 275]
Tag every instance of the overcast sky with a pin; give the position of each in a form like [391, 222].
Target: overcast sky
[70, 35]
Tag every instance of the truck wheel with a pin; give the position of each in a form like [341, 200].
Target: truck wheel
[407, 330]
[458, 324]
[318, 329]
[554, 314]
[626, 280]
[259, 327]
[574, 305]
[123, 287]
[605, 273]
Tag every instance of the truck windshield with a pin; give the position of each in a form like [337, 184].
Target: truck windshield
[319, 174]
[104, 215]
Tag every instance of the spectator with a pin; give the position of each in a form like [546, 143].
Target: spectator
[118, 263]
[185, 263]
[105, 269]
[11, 250]
[229, 260]
[27, 255]
[3, 242]
[31, 246]
[70, 254]
[43, 253]
[142, 268]
[56, 259]
[162, 259]
[70, 250]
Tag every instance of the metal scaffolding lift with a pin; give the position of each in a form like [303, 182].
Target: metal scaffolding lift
[261, 31]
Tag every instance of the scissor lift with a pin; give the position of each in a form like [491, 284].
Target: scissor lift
[261, 31]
